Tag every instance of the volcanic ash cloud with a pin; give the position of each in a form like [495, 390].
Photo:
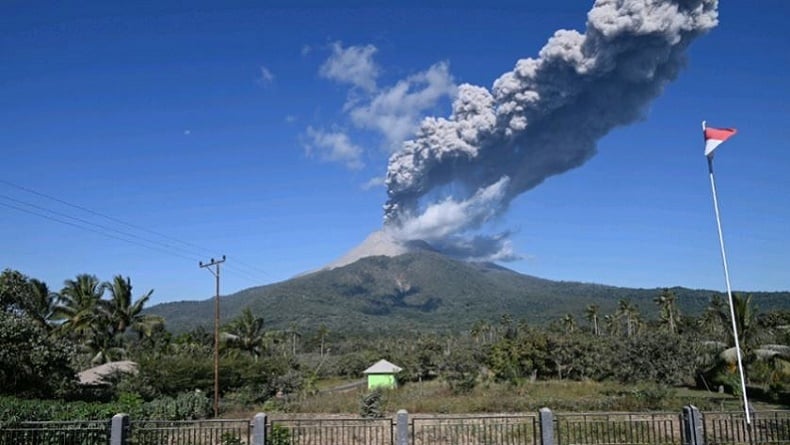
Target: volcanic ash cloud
[541, 119]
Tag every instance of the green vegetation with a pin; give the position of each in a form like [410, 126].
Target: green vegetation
[429, 292]
[617, 353]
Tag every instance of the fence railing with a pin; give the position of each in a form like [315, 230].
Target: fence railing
[727, 428]
[619, 428]
[500, 430]
[56, 433]
[331, 431]
[220, 432]
[546, 428]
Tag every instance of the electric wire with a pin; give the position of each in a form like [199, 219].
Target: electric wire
[158, 245]
[89, 229]
[201, 251]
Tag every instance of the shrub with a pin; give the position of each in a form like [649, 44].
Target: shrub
[370, 405]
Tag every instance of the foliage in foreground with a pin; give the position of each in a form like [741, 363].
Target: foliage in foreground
[185, 406]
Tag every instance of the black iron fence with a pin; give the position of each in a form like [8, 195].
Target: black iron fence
[197, 432]
[727, 428]
[56, 433]
[331, 431]
[619, 428]
[546, 428]
[501, 430]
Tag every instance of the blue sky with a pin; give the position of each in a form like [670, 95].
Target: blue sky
[215, 128]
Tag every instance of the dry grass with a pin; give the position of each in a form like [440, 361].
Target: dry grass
[435, 397]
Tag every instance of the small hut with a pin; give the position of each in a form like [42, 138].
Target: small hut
[382, 375]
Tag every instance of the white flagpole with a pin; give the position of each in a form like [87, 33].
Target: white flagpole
[729, 288]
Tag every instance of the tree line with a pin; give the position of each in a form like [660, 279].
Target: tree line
[47, 336]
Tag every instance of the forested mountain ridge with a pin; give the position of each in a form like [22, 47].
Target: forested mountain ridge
[425, 290]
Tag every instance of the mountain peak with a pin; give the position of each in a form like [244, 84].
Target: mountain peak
[378, 243]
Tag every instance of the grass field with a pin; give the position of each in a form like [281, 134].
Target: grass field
[435, 397]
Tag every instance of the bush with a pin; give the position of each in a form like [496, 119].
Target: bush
[186, 406]
[33, 363]
[370, 405]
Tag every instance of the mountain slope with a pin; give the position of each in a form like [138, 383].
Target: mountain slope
[424, 290]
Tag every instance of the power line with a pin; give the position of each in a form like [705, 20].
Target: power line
[247, 272]
[68, 223]
[102, 215]
[90, 223]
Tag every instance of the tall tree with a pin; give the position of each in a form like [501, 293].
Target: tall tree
[293, 332]
[569, 322]
[629, 314]
[246, 333]
[81, 309]
[714, 322]
[592, 314]
[32, 362]
[41, 306]
[13, 290]
[323, 332]
[669, 315]
[126, 313]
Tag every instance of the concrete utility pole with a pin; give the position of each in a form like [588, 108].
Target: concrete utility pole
[208, 266]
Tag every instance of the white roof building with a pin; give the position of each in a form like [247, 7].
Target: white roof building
[383, 367]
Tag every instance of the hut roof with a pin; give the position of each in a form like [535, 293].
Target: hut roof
[383, 367]
[96, 375]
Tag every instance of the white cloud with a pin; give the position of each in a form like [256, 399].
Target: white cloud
[353, 65]
[396, 112]
[266, 77]
[333, 147]
[392, 112]
[378, 181]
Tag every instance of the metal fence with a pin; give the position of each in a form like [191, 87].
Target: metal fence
[197, 432]
[547, 428]
[619, 428]
[331, 431]
[56, 433]
[473, 430]
[728, 428]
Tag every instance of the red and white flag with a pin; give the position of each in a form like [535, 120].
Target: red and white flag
[714, 137]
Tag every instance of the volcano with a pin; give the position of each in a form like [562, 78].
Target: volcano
[383, 286]
[379, 243]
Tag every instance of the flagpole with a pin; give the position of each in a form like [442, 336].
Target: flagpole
[729, 288]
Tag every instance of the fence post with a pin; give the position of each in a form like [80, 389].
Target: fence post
[546, 427]
[259, 429]
[402, 428]
[692, 426]
[119, 428]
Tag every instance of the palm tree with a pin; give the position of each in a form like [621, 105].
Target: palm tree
[482, 332]
[628, 312]
[612, 323]
[592, 316]
[715, 320]
[87, 318]
[293, 331]
[669, 314]
[41, 305]
[323, 332]
[750, 335]
[246, 332]
[569, 322]
[81, 308]
[126, 314]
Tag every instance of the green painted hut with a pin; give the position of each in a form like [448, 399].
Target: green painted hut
[382, 375]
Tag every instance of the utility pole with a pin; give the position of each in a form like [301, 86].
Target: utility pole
[215, 263]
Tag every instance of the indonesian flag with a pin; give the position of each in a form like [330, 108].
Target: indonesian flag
[714, 137]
